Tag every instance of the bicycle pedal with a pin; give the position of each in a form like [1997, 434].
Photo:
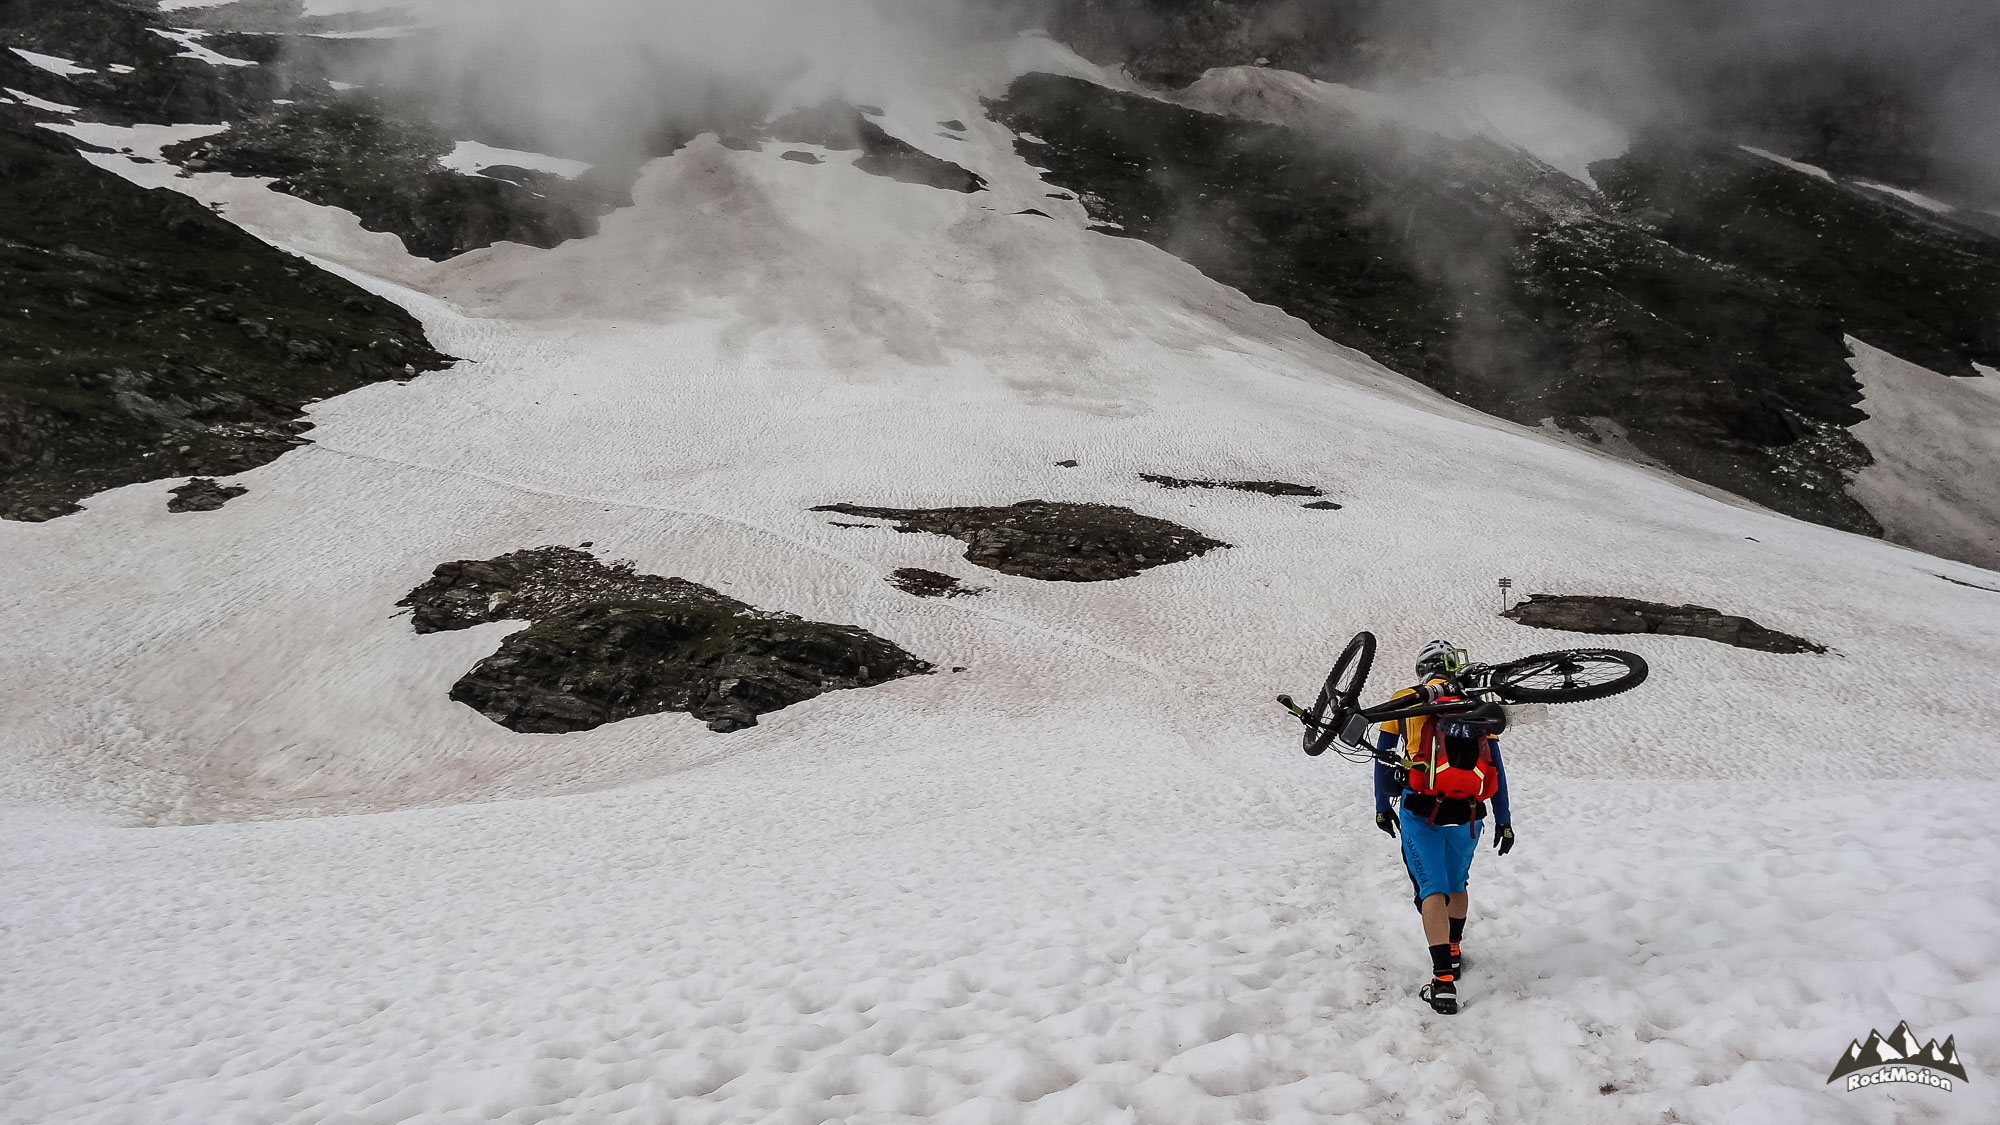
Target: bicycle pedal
[1443, 1003]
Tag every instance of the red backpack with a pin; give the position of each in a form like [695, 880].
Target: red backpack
[1453, 759]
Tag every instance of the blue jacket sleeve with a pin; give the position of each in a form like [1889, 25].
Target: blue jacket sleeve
[1385, 786]
[1501, 813]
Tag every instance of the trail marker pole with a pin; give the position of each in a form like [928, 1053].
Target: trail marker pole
[1505, 584]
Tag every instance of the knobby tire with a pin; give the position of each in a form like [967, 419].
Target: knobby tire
[1586, 673]
[1340, 694]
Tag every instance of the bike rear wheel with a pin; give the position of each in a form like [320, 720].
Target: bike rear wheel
[1339, 695]
[1570, 676]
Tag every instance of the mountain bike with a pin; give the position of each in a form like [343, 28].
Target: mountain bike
[1337, 719]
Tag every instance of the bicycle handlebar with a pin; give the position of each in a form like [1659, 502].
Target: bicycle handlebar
[1382, 712]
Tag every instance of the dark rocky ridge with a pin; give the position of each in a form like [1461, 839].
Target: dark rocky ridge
[1841, 114]
[1054, 542]
[1701, 305]
[1267, 487]
[161, 88]
[1580, 613]
[1842, 103]
[376, 159]
[203, 495]
[608, 643]
[287, 16]
[142, 337]
[351, 151]
[376, 155]
[1896, 275]
[1171, 42]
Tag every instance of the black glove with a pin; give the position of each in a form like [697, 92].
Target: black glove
[1503, 838]
[1386, 821]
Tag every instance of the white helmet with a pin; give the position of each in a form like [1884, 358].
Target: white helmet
[1440, 658]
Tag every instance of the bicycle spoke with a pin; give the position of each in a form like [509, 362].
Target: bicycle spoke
[1573, 674]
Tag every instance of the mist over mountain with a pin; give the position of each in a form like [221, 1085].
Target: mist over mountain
[1589, 302]
[616, 560]
[1906, 92]
[612, 80]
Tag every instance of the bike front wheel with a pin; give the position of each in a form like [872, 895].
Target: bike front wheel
[1339, 695]
[1570, 676]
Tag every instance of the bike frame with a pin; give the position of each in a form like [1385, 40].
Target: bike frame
[1338, 719]
[1351, 724]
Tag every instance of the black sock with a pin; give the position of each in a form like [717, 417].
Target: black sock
[1441, 962]
[1457, 930]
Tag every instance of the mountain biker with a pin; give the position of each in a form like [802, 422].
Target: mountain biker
[1448, 771]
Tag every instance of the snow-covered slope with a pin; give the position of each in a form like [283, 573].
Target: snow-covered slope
[1936, 477]
[1087, 879]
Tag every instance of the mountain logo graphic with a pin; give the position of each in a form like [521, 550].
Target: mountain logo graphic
[1902, 1058]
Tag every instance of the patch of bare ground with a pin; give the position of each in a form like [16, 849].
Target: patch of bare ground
[1583, 613]
[1055, 542]
[608, 643]
[1267, 487]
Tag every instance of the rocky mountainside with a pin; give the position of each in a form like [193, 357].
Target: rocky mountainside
[1672, 298]
[1695, 307]
[1836, 101]
[142, 336]
[1173, 42]
[812, 655]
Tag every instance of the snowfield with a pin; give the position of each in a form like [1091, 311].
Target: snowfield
[61, 68]
[1936, 442]
[258, 868]
[474, 158]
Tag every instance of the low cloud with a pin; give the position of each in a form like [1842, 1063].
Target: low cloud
[599, 78]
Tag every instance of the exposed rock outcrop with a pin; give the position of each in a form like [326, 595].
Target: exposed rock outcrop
[142, 336]
[130, 72]
[932, 584]
[1841, 102]
[1579, 613]
[607, 643]
[1054, 542]
[1267, 487]
[351, 152]
[1171, 42]
[275, 17]
[203, 495]
[1701, 303]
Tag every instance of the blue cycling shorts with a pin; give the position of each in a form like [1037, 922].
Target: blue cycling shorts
[1438, 856]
